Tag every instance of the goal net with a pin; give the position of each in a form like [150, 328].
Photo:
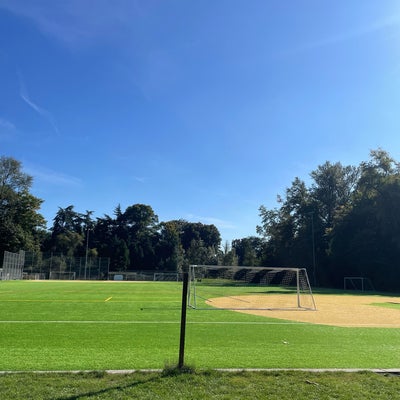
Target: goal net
[249, 288]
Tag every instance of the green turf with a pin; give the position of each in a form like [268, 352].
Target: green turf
[129, 325]
[388, 305]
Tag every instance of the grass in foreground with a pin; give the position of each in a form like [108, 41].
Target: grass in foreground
[202, 385]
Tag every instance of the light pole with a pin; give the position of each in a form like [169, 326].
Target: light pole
[87, 248]
[313, 247]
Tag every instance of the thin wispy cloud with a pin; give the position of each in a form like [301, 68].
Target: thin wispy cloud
[77, 22]
[7, 130]
[220, 223]
[6, 125]
[52, 177]
[38, 109]
[140, 179]
[340, 37]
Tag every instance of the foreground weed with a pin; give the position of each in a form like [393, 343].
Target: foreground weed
[174, 370]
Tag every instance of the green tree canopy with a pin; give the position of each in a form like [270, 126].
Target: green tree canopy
[349, 218]
[21, 224]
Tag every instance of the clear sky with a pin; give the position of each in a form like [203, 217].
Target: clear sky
[202, 109]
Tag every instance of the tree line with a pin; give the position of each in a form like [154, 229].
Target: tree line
[344, 222]
[133, 238]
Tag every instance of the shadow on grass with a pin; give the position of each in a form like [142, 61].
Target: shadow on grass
[168, 371]
[109, 390]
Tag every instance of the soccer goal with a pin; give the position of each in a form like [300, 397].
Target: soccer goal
[359, 283]
[249, 288]
[63, 275]
[166, 276]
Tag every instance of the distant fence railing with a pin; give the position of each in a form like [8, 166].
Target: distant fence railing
[13, 265]
[150, 275]
[54, 266]
[58, 266]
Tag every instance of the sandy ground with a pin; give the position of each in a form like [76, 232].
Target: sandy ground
[344, 310]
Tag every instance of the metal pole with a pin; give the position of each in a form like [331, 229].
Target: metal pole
[181, 362]
[51, 263]
[87, 247]
[313, 247]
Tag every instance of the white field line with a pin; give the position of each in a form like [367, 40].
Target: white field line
[90, 301]
[152, 322]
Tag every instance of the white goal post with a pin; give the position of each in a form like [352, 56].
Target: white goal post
[249, 288]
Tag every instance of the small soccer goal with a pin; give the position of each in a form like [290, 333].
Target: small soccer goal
[166, 276]
[249, 288]
[63, 275]
[358, 283]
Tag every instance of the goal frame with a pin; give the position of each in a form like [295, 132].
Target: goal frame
[302, 286]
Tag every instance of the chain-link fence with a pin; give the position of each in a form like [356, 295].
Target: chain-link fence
[13, 265]
[61, 266]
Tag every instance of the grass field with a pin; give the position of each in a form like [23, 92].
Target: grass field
[205, 385]
[62, 326]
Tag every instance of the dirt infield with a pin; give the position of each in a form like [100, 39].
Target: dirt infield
[337, 310]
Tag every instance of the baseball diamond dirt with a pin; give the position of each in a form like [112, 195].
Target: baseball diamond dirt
[337, 310]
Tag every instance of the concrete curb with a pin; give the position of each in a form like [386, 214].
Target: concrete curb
[229, 370]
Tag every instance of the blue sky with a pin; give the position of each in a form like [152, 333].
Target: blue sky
[203, 110]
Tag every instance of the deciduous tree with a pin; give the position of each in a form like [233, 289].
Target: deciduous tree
[21, 223]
